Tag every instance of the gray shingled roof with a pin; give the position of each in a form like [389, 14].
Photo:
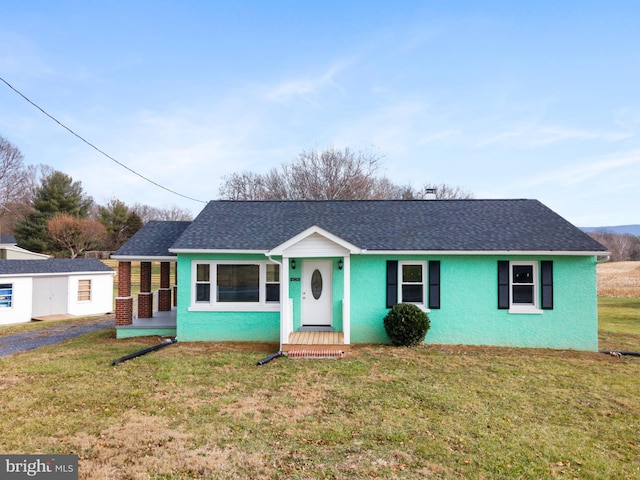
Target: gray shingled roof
[52, 266]
[428, 225]
[153, 239]
[7, 239]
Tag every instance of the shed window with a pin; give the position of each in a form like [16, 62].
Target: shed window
[6, 295]
[84, 290]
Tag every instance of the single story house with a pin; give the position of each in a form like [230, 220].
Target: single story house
[40, 288]
[487, 272]
[9, 250]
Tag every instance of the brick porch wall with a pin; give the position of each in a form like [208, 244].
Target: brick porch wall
[124, 300]
[145, 297]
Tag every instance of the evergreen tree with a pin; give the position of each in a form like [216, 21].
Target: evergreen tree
[120, 221]
[57, 194]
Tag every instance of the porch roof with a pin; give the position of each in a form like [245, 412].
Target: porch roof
[152, 241]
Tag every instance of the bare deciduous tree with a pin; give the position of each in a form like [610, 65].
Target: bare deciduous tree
[18, 184]
[76, 234]
[173, 213]
[623, 247]
[330, 174]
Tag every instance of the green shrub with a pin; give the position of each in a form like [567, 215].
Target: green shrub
[406, 325]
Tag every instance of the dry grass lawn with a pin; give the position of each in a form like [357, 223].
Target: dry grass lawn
[206, 411]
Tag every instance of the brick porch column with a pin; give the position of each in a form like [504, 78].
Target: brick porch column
[124, 300]
[164, 294]
[175, 286]
[145, 297]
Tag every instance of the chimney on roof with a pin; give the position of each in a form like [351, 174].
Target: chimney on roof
[429, 194]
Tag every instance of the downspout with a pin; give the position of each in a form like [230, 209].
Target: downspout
[603, 259]
[166, 343]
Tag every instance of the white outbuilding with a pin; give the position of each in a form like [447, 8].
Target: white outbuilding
[40, 288]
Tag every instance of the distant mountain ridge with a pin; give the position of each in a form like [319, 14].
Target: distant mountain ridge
[620, 229]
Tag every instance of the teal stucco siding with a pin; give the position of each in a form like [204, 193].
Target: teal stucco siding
[469, 311]
[254, 326]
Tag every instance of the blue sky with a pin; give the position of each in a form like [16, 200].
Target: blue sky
[506, 99]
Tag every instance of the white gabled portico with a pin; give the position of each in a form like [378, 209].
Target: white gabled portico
[305, 253]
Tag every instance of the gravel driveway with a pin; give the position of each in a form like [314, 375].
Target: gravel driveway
[21, 342]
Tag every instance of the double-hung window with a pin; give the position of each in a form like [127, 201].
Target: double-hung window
[227, 284]
[525, 287]
[412, 283]
[6, 295]
[416, 282]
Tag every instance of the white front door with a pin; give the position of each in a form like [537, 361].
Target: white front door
[316, 293]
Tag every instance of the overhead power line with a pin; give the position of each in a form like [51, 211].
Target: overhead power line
[96, 148]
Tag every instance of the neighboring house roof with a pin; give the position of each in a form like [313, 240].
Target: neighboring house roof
[52, 266]
[7, 240]
[153, 240]
[379, 225]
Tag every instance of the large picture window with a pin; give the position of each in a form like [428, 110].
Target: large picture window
[236, 283]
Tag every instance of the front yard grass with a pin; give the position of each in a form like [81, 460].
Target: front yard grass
[205, 410]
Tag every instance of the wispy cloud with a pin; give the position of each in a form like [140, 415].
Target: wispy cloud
[308, 86]
[625, 164]
[534, 135]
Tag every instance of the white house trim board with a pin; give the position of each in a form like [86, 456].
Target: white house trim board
[131, 258]
[202, 250]
[527, 253]
[319, 238]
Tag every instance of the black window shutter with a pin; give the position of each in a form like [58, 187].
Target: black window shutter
[392, 283]
[503, 284]
[546, 267]
[434, 284]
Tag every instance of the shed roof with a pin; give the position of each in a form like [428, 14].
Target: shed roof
[386, 225]
[52, 266]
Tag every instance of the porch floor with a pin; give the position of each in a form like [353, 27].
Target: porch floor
[315, 341]
[159, 320]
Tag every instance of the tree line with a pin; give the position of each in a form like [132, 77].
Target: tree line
[623, 246]
[48, 212]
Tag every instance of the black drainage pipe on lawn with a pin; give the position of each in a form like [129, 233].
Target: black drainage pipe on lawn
[620, 354]
[269, 358]
[166, 343]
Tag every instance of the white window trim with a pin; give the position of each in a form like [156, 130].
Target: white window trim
[213, 305]
[422, 305]
[525, 308]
